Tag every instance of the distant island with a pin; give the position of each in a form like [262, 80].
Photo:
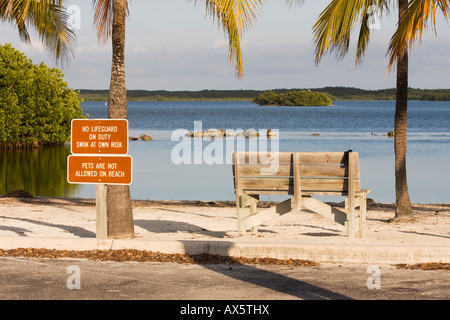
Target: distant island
[335, 93]
[302, 98]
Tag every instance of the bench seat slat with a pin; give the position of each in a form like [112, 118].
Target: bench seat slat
[324, 158]
[287, 170]
[264, 157]
[307, 184]
[291, 192]
[286, 157]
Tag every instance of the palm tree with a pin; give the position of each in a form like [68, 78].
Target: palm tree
[403, 211]
[234, 16]
[414, 20]
[332, 33]
[48, 18]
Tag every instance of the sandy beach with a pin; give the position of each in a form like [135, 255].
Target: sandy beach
[200, 222]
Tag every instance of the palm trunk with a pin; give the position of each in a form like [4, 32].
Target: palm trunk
[403, 204]
[119, 210]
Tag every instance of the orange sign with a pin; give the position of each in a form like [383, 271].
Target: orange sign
[101, 136]
[100, 170]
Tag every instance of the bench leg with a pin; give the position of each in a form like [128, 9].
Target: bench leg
[239, 216]
[241, 228]
[242, 202]
[362, 214]
[350, 224]
[254, 220]
[253, 209]
[358, 223]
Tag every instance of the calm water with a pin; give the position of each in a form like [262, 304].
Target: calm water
[355, 125]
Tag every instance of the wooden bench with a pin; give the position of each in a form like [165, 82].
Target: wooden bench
[299, 175]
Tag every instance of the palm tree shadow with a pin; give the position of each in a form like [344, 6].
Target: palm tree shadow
[19, 231]
[167, 226]
[277, 282]
[77, 231]
[265, 278]
[427, 234]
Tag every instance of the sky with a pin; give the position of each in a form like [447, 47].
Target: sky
[174, 45]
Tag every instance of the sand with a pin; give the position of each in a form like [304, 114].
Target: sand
[216, 221]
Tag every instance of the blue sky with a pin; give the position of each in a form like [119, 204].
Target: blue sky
[173, 45]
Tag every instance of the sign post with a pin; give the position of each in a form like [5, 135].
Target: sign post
[101, 212]
[100, 149]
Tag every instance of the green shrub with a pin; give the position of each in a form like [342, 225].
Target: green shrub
[36, 106]
[293, 98]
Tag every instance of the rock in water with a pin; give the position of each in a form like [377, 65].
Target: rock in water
[145, 137]
[271, 133]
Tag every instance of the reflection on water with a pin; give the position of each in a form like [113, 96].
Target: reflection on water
[40, 172]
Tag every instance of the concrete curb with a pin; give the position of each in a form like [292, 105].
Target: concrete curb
[322, 253]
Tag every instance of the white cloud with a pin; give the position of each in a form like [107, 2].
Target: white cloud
[139, 49]
[220, 43]
[35, 45]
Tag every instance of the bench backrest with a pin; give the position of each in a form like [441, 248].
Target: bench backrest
[311, 173]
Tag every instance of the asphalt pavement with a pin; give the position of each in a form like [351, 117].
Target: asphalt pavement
[74, 279]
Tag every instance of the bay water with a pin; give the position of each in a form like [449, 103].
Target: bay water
[361, 126]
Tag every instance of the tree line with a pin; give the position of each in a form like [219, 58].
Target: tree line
[336, 93]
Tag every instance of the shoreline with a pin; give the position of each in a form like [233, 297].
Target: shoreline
[43, 200]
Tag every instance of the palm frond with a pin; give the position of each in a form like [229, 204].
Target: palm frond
[48, 17]
[291, 3]
[414, 23]
[333, 28]
[234, 17]
[103, 18]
